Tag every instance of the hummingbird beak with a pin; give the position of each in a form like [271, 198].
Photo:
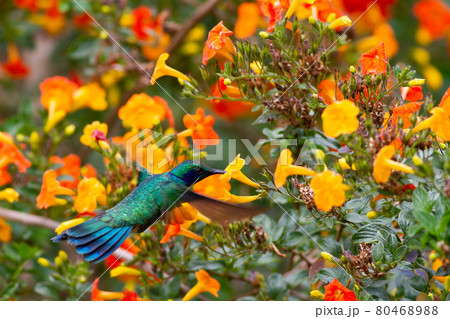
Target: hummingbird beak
[217, 171]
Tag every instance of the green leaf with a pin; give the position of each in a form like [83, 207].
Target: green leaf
[405, 265]
[368, 233]
[421, 200]
[400, 253]
[443, 271]
[419, 283]
[426, 219]
[377, 252]
[276, 286]
[354, 218]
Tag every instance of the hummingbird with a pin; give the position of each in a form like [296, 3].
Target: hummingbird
[155, 194]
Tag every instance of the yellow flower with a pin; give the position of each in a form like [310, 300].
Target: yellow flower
[433, 77]
[343, 163]
[295, 5]
[205, 283]
[340, 118]
[383, 165]
[141, 111]
[10, 195]
[127, 271]
[184, 214]
[326, 256]
[371, 214]
[416, 82]
[53, 119]
[285, 168]
[95, 133]
[162, 69]
[328, 190]
[342, 21]
[421, 56]
[68, 224]
[111, 77]
[43, 262]
[89, 191]
[317, 294]
[91, 95]
[439, 123]
[233, 170]
[5, 231]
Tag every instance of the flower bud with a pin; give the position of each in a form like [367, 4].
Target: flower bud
[43, 262]
[417, 161]
[34, 139]
[320, 155]
[326, 256]
[103, 35]
[58, 261]
[372, 214]
[227, 81]
[343, 163]
[105, 8]
[62, 254]
[20, 137]
[443, 146]
[433, 256]
[342, 21]
[352, 69]
[264, 34]
[331, 17]
[316, 294]
[181, 81]
[447, 283]
[70, 129]
[311, 20]
[416, 82]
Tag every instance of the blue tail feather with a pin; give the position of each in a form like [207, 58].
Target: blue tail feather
[112, 248]
[88, 238]
[100, 238]
[101, 252]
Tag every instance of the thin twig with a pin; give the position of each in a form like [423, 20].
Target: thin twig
[28, 219]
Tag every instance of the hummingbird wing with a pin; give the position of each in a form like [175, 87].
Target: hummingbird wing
[220, 211]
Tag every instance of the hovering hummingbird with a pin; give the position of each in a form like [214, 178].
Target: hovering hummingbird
[154, 195]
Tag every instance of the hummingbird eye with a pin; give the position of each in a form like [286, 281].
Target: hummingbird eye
[198, 170]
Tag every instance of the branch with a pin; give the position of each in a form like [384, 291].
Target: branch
[201, 12]
[28, 219]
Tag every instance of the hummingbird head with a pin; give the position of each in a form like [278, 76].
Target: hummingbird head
[191, 172]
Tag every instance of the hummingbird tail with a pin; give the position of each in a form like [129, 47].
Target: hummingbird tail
[94, 239]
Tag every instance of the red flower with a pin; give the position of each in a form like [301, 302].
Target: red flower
[129, 296]
[433, 16]
[359, 6]
[200, 128]
[15, 67]
[70, 165]
[404, 112]
[374, 61]
[335, 291]
[412, 94]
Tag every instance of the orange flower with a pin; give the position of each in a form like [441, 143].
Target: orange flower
[94, 134]
[101, 295]
[162, 69]
[329, 92]
[404, 112]
[141, 111]
[374, 61]
[31, 5]
[341, 117]
[52, 20]
[177, 229]
[285, 168]
[233, 170]
[273, 9]
[439, 123]
[213, 186]
[184, 214]
[200, 128]
[218, 44]
[90, 190]
[445, 102]
[383, 165]
[144, 25]
[382, 33]
[247, 21]
[160, 44]
[328, 190]
[335, 291]
[205, 283]
[9, 154]
[49, 189]
[91, 95]
[433, 16]
[15, 67]
[5, 231]
[412, 94]
[69, 165]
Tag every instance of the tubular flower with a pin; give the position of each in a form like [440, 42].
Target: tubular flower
[218, 44]
[439, 123]
[285, 168]
[205, 283]
[14, 67]
[162, 69]
[328, 190]
[383, 165]
[141, 111]
[9, 154]
[68, 224]
[9, 194]
[177, 229]
[200, 128]
[412, 93]
[247, 21]
[124, 271]
[295, 6]
[374, 61]
[213, 186]
[69, 165]
[101, 295]
[184, 213]
[89, 191]
[341, 22]
[95, 134]
[5, 231]
[329, 92]
[445, 102]
[50, 189]
[404, 112]
[233, 170]
[91, 95]
[340, 118]
[335, 291]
